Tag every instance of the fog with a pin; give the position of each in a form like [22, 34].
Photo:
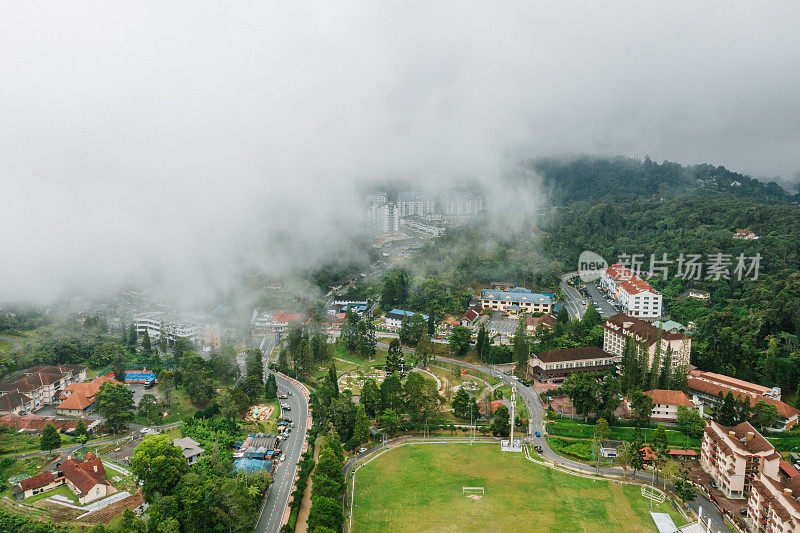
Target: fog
[171, 142]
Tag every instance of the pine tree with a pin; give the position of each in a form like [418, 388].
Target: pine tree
[393, 357]
[162, 338]
[520, 346]
[431, 322]
[146, 342]
[482, 344]
[797, 396]
[333, 380]
[666, 380]
[655, 369]
[283, 361]
[271, 388]
[361, 428]
[124, 337]
[132, 337]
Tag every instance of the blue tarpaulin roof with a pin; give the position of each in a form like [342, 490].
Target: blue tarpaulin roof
[252, 465]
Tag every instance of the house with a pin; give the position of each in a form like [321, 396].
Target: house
[620, 329]
[86, 478]
[32, 424]
[633, 294]
[698, 294]
[77, 404]
[190, 449]
[706, 387]
[36, 485]
[78, 398]
[745, 234]
[40, 385]
[15, 403]
[559, 364]
[533, 323]
[472, 315]
[516, 300]
[736, 456]
[666, 403]
[394, 318]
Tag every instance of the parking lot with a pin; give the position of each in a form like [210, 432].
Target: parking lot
[506, 326]
[600, 303]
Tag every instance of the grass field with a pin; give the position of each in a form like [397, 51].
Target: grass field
[419, 488]
[579, 430]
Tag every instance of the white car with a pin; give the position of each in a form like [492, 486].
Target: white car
[362, 450]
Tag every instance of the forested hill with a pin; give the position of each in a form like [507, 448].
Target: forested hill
[588, 179]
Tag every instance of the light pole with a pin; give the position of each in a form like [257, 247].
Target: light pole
[652, 481]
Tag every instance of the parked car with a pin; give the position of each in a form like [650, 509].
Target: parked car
[362, 450]
[743, 511]
[713, 484]
[538, 434]
[538, 449]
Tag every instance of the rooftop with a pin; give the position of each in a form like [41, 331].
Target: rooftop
[669, 397]
[572, 354]
[516, 294]
[640, 328]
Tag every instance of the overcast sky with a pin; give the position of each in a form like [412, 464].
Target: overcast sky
[175, 137]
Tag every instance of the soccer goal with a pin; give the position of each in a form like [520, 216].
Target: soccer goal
[654, 494]
[472, 491]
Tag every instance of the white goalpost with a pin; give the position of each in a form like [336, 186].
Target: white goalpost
[472, 491]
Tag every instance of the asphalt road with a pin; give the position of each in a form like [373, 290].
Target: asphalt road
[574, 303]
[134, 429]
[274, 506]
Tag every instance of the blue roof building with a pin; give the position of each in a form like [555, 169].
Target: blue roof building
[516, 300]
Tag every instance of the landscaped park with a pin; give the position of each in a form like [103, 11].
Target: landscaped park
[420, 487]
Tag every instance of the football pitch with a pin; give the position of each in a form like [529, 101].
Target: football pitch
[419, 487]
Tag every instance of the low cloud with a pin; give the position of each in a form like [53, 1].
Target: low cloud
[174, 142]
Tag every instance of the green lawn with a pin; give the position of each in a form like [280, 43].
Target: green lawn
[419, 488]
[578, 430]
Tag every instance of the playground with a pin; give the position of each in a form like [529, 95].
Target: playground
[462, 487]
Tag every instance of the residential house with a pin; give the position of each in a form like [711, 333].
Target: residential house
[533, 323]
[698, 294]
[78, 398]
[36, 485]
[620, 329]
[635, 296]
[394, 318]
[86, 478]
[516, 300]
[745, 234]
[471, 317]
[15, 403]
[666, 403]
[39, 385]
[557, 365]
[736, 456]
[190, 449]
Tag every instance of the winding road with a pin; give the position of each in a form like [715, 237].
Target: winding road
[536, 423]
